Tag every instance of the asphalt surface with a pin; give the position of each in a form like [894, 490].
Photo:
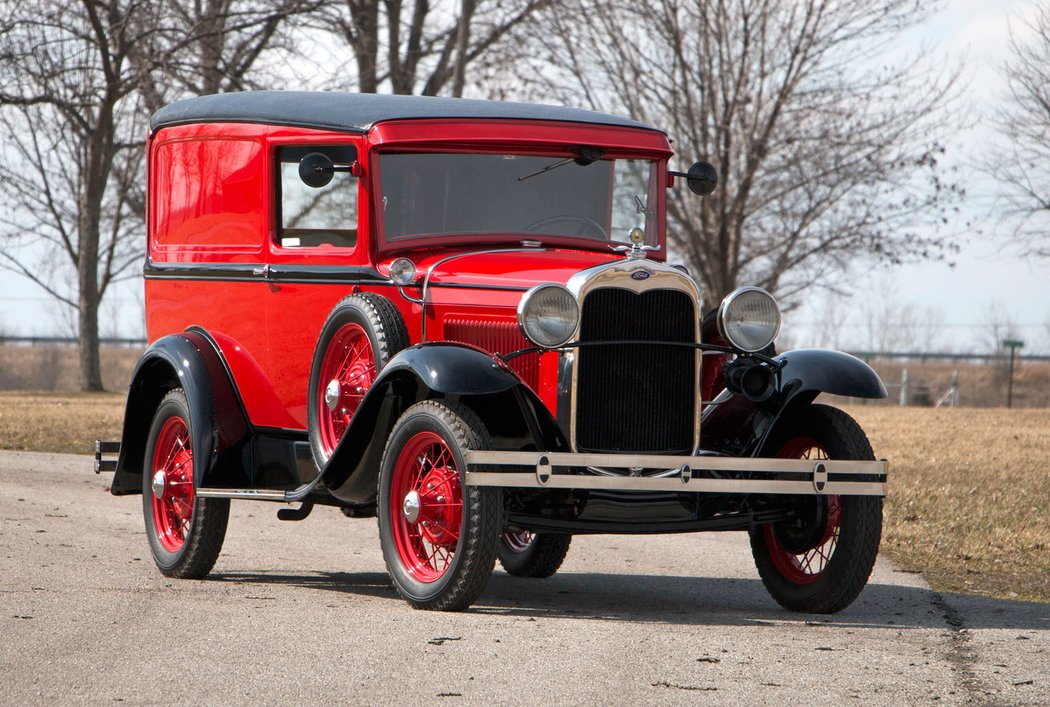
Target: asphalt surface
[302, 611]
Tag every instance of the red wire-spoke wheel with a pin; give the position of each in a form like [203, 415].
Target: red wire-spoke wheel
[426, 502]
[438, 536]
[347, 372]
[802, 552]
[526, 554]
[362, 333]
[172, 484]
[185, 532]
[516, 541]
[819, 557]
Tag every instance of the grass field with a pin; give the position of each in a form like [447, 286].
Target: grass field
[968, 504]
[969, 496]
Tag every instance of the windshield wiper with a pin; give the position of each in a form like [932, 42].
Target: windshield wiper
[583, 157]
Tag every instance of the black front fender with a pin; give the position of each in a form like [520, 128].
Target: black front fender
[217, 422]
[734, 425]
[823, 371]
[433, 371]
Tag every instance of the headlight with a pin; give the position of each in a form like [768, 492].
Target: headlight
[548, 315]
[403, 271]
[749, 319]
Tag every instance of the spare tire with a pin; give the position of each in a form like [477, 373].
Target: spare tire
[362, 333]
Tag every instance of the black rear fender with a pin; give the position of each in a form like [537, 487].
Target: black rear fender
[218, 425]
[514, 416]
[734, 425]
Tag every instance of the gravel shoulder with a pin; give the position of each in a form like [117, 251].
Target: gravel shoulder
[303, 611]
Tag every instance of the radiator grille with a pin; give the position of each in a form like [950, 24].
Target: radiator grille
[496, 336]
[636, 397]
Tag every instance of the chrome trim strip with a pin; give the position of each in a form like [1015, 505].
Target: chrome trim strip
[543, 465]
[455, 256]
[618, 274]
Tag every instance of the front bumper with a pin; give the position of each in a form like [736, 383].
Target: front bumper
[703, 474]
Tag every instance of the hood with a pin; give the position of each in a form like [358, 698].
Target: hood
[512, 268]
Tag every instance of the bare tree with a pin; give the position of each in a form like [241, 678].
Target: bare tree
[214, 46]
[999, 326]
[1021, 161]
[826, 154]
[68, 120]
[419, 46]
[77, 81]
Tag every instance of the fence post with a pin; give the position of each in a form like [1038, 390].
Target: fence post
[955, 389]
[904, 388]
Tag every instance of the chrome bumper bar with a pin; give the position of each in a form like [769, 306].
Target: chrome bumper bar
[552, 470]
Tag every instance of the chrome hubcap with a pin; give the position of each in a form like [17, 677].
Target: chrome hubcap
[411, 506]
[331, 394]
[159, 482]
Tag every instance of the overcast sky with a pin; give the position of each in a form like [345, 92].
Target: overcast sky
[985, 273]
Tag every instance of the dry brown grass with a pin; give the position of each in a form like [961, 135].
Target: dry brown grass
[968, 503]
[51, 368]
[969, 496]
[59, 422]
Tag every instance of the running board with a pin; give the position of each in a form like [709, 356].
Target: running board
[250, 494]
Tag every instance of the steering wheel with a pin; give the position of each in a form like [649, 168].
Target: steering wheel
[589, 223]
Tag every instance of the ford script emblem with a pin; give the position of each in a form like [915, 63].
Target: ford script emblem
[640, 275]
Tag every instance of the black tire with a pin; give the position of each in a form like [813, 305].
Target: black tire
[183, 547]
[453, 582]
[539, 556]
[385, 329]
[843, 563]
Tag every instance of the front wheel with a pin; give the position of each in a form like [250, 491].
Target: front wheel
[819, 560]
[438, 535]
[185, 532]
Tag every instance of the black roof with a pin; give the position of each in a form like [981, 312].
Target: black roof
[357, 112]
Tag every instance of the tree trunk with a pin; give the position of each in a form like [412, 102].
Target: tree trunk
[87, 274]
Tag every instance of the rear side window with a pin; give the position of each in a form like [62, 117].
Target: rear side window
[317, 217]
[207, 196]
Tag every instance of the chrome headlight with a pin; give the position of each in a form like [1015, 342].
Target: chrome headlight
[548, 315]
[749, 319]
[403, 272]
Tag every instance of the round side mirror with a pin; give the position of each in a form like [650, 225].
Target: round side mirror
[702, 178]
[316, 170]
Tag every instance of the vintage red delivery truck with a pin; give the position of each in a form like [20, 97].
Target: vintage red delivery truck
[457, 317]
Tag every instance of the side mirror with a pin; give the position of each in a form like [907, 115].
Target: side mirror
[702, 178]
[316, 170]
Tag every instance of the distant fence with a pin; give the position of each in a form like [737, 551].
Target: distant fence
[923, 357]
[127, 343]
[939, 379]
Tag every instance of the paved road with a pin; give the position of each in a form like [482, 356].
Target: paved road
[303, 612]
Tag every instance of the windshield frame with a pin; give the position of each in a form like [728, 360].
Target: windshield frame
[554, 152]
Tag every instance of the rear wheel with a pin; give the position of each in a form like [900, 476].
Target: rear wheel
[438, 536]
[185, 532]
[362, 334]
[819, 560]
[526, 554]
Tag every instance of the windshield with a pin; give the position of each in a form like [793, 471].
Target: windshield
[443, 195]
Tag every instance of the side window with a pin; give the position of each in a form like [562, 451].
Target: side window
[309, 216]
